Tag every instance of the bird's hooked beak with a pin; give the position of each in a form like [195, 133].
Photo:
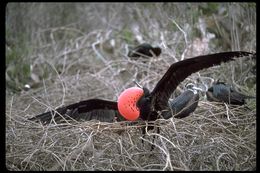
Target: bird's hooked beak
[137, 84]
[205, 83]
[194, 88]
[197, 88]
[146, 91]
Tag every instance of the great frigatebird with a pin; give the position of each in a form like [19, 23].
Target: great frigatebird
[139, 103]
[222, 92]
[144, 50]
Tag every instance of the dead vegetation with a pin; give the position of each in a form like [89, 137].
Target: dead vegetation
[70, 63]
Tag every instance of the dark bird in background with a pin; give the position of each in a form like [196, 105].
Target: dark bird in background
[144, 50]
[222, 92]
[186, 103]
[139, 103]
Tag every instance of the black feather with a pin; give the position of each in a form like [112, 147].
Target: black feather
[102, 110]
[182, 69]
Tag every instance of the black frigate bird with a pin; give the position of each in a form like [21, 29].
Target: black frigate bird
[139, 103]
[144, 50]
[222, 92]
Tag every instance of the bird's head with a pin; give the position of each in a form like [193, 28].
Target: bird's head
[193, 88]
[157, 51]
[128, 102]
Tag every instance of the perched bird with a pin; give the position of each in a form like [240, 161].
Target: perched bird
[139, 103]
[144, 50]
[221, 92]
[185, 103]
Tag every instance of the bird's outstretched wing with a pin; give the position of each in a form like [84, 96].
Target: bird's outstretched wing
[182, 69]
[102, 110]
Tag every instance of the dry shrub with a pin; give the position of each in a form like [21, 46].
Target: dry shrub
[81, 64]
[225, 140]
[215, 137]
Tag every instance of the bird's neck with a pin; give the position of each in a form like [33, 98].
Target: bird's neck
[144, 105]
